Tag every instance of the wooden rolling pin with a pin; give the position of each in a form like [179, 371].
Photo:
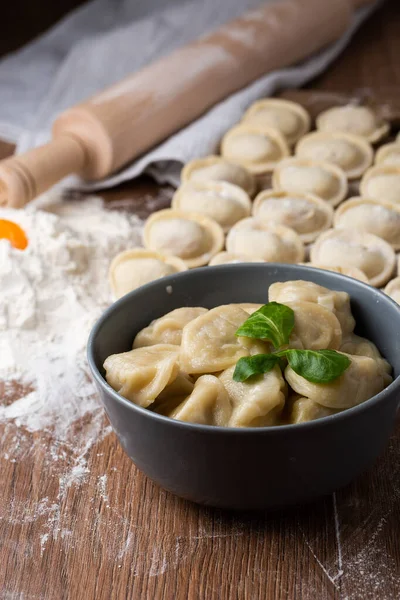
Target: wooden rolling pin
[99, 136]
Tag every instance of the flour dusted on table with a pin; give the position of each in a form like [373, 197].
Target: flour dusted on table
[50, 296]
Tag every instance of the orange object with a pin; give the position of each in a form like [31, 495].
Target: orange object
[13, 233]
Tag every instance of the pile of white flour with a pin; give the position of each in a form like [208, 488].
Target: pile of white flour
[50, 296]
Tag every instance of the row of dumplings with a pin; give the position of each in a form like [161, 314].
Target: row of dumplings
[182, 364]
[217, 216]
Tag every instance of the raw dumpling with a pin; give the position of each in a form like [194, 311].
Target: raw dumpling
[224, 202]
[378, 218]
[209, 343]
[349, 152]
[347, 248]
[359, 346]
[193, 238]
[226, 258]
[349, 271]
[307, 291]
[216, 168]
[389, 154]
[315, 327]
[302, 176]
[364, 378]
[132, 268]
[393, 289]
[304, 213]
[168, 329]
[142, 374]
[257, 402]
[382, 183]
[272, 243]
[258, 149]
[208, 404]
[302, 410]
[358, 120]
[289, 118]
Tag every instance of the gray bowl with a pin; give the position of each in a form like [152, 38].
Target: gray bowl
[247, 468]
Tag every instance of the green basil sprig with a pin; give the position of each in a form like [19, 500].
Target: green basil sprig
[275, 322]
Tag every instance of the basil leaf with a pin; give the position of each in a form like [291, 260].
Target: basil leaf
[317, 366]
[254, 365]
[273, 322]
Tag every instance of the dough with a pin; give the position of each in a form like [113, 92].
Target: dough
[289, 118]
[226, 258]
[217, 168]
[358, 120]
[349, 271]
[393, 289]
[382, 183]
[389, 154]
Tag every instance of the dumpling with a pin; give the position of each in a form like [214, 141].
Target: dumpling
[359, 346]
[315, 327]
[289, 118]
[389, 154]
[193, 238]
[217, 168]
[364, 378]
[168, 329]
[258, 149]
[302, 176]
[249, 307]
[209, 343]
[302, 410]
[307, 291]
[351, 153]
[257, 402]
[272, 243]
[174, 394]
[227, 258]
[132, 268]
[378, 218]
[140, 375]
[358, 120]
[382, 183]
[224, 202]
[348, 248]
[393, 289]
[304, 213]
[349, 271]
[208, 404]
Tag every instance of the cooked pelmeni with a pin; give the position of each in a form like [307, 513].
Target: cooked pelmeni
[192, 237]
[227, 258]
[382, 183]
[173, 395]
[302, 410]
[393, 289]
[304, 213]
[258, 239]
[389, 154]
[302, 176]
[351, 153]
[359, 346]
[257, 402]
[224, 202]
[289, 118]
[307, 291]
[132, 268]
[315, 327]
[209, 342]
[358, 120]
[349, 271]
[142, 374]
[366, 251]
[364, 378]
[168, 329]
[258, 149]
[208, 404]
[381, 219]
[249, 307]
[217, 168]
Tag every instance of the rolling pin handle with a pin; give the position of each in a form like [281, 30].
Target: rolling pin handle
[25, 176]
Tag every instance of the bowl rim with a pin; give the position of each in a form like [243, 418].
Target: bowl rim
[169, 280]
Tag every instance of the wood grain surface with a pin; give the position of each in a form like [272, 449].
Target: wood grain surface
[86, 524]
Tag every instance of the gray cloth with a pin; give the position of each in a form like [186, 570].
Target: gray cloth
[105, 40]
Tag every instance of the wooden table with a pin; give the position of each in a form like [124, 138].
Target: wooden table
[88, 525]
